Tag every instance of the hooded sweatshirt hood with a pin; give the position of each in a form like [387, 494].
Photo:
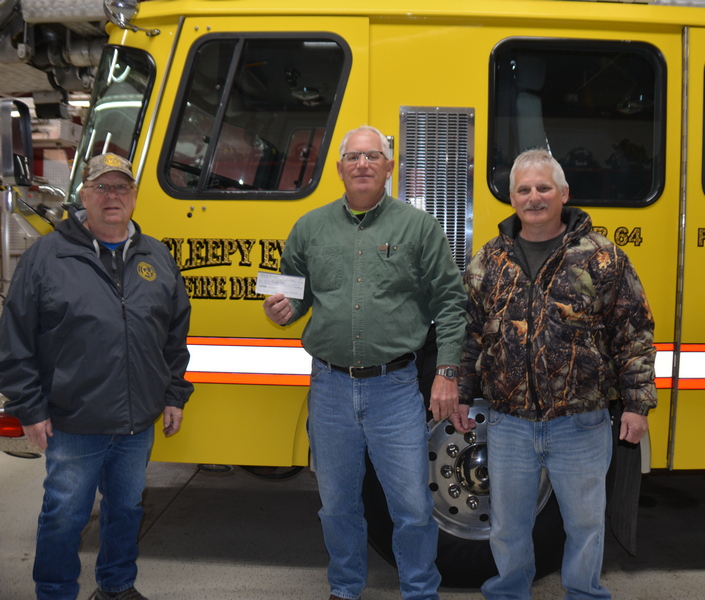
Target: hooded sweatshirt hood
[74, 229]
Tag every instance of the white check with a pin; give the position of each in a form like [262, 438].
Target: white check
[274, 283]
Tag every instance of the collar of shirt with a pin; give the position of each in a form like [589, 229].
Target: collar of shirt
[360, 216]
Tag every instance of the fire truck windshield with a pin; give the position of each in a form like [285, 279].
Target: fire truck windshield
[123, 84]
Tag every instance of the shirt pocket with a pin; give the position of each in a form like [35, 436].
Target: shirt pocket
[325, 267]
[394, 268]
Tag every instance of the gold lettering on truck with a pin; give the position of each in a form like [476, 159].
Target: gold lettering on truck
[198, 253]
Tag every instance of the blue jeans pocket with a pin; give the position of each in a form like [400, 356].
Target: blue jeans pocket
[592, 420]
[316, 369]
[494, 418]
[405, 376]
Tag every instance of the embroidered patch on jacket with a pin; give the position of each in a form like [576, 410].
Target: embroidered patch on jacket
[146, 271]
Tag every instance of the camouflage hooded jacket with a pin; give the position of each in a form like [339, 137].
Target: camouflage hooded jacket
[575, 338]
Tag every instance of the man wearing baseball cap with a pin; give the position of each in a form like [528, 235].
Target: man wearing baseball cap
[92, 352]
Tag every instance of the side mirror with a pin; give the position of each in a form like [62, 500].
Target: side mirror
[121, 13]
[16, 156]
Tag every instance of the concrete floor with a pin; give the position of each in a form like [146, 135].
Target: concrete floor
[217, 536]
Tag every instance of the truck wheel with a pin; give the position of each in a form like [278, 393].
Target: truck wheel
[460, 485]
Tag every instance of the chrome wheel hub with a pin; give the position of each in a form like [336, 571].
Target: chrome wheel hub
[459, 479]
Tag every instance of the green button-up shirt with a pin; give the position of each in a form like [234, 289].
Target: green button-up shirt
[376, 284]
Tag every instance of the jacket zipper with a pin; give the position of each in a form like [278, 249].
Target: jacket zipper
[119, 283]
[529, 367]
[529, 334]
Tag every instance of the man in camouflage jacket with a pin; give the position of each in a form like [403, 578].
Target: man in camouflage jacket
[558, 327]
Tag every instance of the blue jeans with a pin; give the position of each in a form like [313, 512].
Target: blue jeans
[386, 416]
[76, 466]
[576, 452]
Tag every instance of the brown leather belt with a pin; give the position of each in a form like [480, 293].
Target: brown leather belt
[375, 371]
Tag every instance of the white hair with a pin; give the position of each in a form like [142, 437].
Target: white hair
[383, 140]
[537, 157]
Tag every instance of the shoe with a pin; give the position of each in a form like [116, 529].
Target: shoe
[129, 594]
[334, 597]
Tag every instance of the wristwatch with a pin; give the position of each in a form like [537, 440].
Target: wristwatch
[448, 372]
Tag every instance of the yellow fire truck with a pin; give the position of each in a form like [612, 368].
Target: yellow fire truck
[232, 112]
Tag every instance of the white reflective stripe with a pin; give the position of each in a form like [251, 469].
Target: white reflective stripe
[272, 360]
[692, 365]
[664, 363]
[249, 359]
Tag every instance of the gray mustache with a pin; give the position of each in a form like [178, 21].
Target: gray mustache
[535, 206]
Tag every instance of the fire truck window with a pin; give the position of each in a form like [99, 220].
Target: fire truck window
[123, 84]
[597, 106]
[252, 117]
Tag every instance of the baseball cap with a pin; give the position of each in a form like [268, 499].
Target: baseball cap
[104, 163]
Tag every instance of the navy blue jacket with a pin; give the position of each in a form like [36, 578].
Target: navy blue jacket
[92, 338]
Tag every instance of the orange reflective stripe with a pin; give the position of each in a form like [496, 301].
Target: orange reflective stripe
[248, 378]
[222, 341]
[663, 383]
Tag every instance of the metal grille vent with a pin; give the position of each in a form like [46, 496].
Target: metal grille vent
[435, 169]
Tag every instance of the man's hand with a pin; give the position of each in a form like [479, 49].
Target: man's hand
[38, 433]
[172, 420]
[444, 397]
[278, 309]
[444, 404]
[633, 427]
[461, 421]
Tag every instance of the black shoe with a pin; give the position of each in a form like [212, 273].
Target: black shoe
[129, 594]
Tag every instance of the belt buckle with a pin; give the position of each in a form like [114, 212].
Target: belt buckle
[350, 372]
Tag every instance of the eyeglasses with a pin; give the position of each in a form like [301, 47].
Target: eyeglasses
[103, 188]
[370, 156]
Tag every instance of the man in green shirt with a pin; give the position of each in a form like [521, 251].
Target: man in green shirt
[378, 273]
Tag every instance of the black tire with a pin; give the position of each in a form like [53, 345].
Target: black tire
[23, 454]
[469, 563]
